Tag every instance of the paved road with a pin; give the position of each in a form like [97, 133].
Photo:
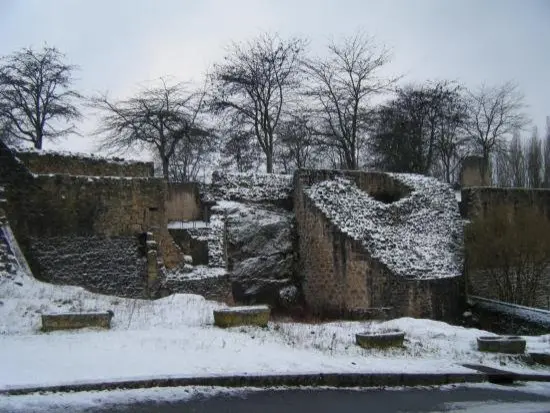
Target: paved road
[481, 400]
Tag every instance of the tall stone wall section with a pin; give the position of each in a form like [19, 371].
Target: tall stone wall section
[40, 162]
[484, 201]
[183, 202]
[66, 205]
[95, 218]
[479, 201]
[341, 278]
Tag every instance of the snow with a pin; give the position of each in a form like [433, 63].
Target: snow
[245, 309]
[71, 402]
[175, 336]
[187, 224]
[198, 272]
[535, 315]
[77, 155]
[418, 237]
[253, 187]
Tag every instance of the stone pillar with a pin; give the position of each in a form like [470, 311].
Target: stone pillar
[475, 172]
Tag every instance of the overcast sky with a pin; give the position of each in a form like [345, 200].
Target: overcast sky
[120, 43]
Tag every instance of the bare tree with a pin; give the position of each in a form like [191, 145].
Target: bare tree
[494, 113]
[254, 84]
[35, 94]
[503, 176]
[421, 130]
[192, 156]
[546, 143]
[451, 142]
[516, 157]
[534, 160]
[297, 142]
[162, 118]
[239, 151]
[343, 84]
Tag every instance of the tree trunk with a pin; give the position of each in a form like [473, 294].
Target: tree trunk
[165, 167]
[39, 138]
[269, 162]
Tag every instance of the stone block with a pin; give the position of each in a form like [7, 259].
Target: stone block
[72, 321]
[239, 316]
[501, 344]
[383, 339]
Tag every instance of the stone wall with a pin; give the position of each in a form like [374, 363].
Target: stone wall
[183, 202]
[62, 205]
[479, 201]
[379, 185]
[193, 246]
[482, 202]
[212, 288]
[47, 211]
[40, 162]
[339, 275]
[474, 172]
[107, 265]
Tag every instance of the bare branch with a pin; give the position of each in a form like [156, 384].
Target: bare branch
[35, 90]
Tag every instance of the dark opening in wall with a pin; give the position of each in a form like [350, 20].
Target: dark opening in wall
[387, 197]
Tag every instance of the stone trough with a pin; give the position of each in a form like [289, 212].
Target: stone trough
[501, 344]
[73, 321]
[240, 316]
[380, 339]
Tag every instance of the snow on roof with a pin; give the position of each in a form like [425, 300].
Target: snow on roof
[255, 187]
[76, 155]
[417, 237]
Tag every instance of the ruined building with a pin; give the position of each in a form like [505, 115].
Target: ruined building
[351, 243]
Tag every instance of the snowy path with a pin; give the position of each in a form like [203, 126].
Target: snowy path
[91, 356]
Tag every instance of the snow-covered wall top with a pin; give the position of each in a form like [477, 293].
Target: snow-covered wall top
[46, 162]
[418, 236]
[253, 187]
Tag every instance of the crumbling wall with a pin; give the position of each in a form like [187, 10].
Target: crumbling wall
[479, 201]
[339, 275]
[62, 205]
[183, 202]
[107, 265]
[42, 162]
[506, 205]
[104, 215]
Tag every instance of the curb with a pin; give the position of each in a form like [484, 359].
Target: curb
[310, 380]
[499, 376]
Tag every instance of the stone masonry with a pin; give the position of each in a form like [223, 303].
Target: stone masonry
[42, 162]
[341, 278]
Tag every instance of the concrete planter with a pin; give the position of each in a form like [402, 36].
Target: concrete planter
[501, 344]
[385, 339]
[72, 321]
[240, 316]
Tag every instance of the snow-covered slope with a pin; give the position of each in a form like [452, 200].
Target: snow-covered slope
[419, 236]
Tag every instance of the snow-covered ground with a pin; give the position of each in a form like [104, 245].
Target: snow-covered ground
[174, 336]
